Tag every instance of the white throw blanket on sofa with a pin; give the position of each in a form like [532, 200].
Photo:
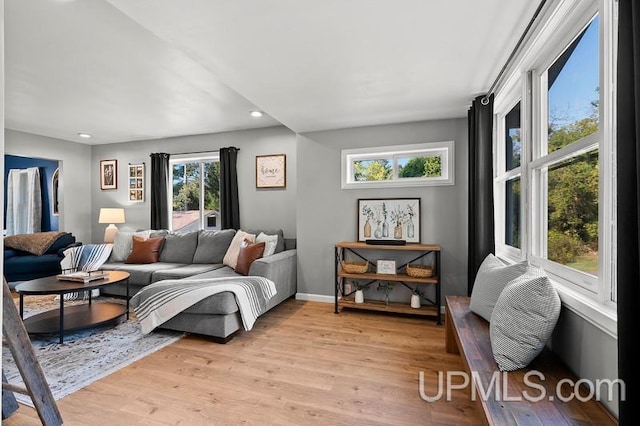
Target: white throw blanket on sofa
[157, 303]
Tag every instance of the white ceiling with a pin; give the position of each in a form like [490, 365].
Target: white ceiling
[127, 70]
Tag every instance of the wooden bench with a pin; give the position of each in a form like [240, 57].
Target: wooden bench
[467, 334]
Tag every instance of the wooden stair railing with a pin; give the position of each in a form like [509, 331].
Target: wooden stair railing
[36, 386]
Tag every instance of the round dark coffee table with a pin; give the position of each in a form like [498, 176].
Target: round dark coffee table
[76, 317]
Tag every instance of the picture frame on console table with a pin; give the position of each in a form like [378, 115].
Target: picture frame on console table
[109, 174]
[393, 219]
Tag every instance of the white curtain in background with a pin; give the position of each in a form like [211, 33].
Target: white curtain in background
[24, 201]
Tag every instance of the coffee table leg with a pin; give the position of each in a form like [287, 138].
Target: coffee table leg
[127, 299]
[22, 307]
[61, 317]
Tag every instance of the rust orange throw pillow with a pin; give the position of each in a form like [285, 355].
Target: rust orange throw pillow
[248, 253]
[145, 251]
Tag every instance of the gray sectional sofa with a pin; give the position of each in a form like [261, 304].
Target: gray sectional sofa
[200, 254]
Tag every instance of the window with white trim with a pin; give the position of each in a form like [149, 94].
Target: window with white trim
[400, 165]
[195, 192]
[554, 179]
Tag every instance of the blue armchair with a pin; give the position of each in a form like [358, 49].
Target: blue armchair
[21, 265]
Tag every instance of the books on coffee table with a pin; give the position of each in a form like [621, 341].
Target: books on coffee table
[83, 276]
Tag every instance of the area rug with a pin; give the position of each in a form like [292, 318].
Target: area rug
[86, 355]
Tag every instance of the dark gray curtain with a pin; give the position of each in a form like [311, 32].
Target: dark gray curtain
[628, 188]
[160, 191]
[481, 226]
[229, 204]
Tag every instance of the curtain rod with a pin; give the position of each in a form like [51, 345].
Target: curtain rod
[485, 99]
[200, 152]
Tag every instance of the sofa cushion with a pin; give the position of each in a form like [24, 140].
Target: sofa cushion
[213, 245]
[248, 253]
[145, 251]
[231, 256]
[122, 243]
[225, 271]
[183, 271]
[179, 248]
[278, 232]
[141, 273]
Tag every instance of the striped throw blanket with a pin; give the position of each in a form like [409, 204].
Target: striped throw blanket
[88, 257]
[157, 303]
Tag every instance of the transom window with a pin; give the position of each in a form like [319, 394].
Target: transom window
[406, 165]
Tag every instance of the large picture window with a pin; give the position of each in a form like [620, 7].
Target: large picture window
[195, 193]
[554, 181]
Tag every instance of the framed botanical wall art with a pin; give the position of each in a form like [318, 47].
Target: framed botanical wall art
[389, 219]
[109, 174]
[271, 171]
[136, 182]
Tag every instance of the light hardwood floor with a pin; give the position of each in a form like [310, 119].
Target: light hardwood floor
[300, 365]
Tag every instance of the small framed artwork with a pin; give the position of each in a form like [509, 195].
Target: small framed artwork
[136, 182]
[109, 174]
[387, 267]
[395, 219]
[271, 171]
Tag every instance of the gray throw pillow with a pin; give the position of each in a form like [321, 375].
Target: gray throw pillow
[278, 232]
[523, 319]
[179, 248]
[212, 246]
[492, 277]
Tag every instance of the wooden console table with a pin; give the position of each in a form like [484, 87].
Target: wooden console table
[346, 299]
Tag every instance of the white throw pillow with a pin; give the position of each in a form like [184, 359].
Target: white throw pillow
[123, 243]
[492, 277]
[523, 319]
[231, 256]
[270, 242]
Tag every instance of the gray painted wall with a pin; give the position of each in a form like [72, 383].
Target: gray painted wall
[327, 213]
[76, 176]
[259, 208]
[588, 351]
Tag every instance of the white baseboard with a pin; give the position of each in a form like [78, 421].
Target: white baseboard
[315, 297]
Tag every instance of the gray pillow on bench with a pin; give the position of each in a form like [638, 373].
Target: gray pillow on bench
[492, 277]
[523, 319]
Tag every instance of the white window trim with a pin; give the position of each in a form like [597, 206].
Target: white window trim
[445, 149]
[560, 23]
[190, 158]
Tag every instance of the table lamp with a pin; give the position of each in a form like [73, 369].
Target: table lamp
[111, 216]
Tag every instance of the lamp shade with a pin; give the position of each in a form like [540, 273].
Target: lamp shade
[111, 216]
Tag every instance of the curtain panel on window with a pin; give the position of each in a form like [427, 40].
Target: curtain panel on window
[160, 191]
[229, 202]
[481, 220]
[628, 190]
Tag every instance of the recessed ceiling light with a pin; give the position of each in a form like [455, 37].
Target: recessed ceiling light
[256, 114]
[84, 135]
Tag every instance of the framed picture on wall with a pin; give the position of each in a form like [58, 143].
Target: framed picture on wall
[136, 182]
[271, 171]
[109, 174]
[389, 219]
